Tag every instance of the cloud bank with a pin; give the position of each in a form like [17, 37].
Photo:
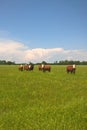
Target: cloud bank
[20, 53]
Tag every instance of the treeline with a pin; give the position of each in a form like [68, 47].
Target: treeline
[66, 62]
[62, 62]
[71, 62]
[4, 62]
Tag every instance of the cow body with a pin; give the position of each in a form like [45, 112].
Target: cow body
[70, 69]
[40, 67]
[47, 68]
[20, 68]
[28, 67]
[31, 67]
[44, 68]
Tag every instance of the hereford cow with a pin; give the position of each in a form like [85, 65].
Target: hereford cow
[45, 68]
[31, 67]
[20, 67]
[28, 67]
[40, 67]
[71, 69]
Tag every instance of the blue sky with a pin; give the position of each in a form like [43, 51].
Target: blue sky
[44, 24]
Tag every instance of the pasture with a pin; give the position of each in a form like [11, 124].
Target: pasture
[36, 100]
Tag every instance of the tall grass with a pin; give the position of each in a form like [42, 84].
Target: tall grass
[33, 100]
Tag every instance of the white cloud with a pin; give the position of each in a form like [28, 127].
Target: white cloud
[18, 52]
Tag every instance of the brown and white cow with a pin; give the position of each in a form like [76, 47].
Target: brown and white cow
[44, 67]
[28, 67]
[71, 69]
[20, 67]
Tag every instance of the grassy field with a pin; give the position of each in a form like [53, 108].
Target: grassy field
[33, 100]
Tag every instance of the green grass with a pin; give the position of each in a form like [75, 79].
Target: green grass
[43, 101]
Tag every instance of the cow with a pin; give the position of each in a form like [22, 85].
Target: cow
[20, 67]
[31, 67]
[40, 67]
[44, 68]
[28, 67]
[71, 69]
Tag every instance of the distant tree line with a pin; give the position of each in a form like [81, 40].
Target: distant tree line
[66, 62]
[70, 62]
[62, 62]
[4, 62]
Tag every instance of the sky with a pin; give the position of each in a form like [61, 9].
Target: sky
[43, 30]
